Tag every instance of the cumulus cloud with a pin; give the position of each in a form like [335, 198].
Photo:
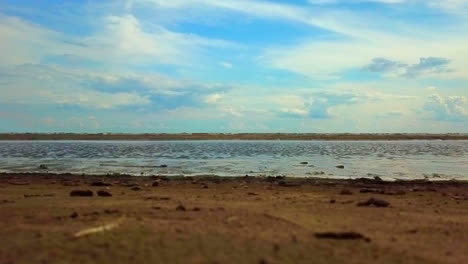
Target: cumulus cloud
[428, 65]
[118, 40]
[384, 65]
[319, 105]
[213, 98]
[41, 84]
[447, 108]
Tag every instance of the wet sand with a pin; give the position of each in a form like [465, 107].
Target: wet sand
[230, 220]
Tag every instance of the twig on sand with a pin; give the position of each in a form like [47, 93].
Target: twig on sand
[106, 227]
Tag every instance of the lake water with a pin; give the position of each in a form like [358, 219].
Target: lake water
[387, 159]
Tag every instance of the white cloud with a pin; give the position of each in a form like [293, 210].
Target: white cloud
[447, 108]
[226, 65]
[213, 98]
[119, 42]
[329, 59]
[35, 84]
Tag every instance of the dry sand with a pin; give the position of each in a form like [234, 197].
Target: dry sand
[230, 220]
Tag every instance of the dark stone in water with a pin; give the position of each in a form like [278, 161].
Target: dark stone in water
[81, 193]
[163, 166]
[43, 167]
[377, 178]
[374, 202]
[104, 193]
[341, 236]
[304, 163]
[340, 166]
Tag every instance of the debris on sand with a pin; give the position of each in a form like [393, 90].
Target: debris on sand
[341, 236]
[81, 193]
[74, 215]
[112, 211]
[101, 184]
[368, 190]
[346, 192]
[340, 166]
[252, 193]
[136, 188]
[18, 182]
[374, 202]
[98, 229]
[104, 193]
[287, 184]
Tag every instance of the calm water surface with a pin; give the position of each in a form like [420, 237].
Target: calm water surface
[387, 159]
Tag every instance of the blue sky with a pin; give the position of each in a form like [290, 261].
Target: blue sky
[234, 66]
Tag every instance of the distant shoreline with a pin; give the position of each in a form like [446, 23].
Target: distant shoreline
[239, 136]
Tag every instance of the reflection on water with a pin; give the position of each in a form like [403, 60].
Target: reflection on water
[387, 159]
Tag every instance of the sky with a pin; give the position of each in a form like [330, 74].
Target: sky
[229, 66]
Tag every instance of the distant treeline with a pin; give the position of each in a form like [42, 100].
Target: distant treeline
[222, 136]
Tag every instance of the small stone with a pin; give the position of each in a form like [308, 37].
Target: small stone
[196, 209]
[81, 193]
[340, 166]
[43, 167]
[180, 208]
[374, 202]
[304, 163]
[155, 184]
[101, 184]
[110, 211]
[163, 166]
[346, 192]
[136, 188]
[103, 193]
[74, 215]
[341, 236]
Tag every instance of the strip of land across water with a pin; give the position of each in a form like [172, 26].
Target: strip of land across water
[227, 136]
[65, 218]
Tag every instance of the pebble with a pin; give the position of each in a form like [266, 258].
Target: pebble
[81, 193]
[104, 193]
[374, 202]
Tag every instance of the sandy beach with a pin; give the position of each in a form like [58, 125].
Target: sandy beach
[49, 218]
